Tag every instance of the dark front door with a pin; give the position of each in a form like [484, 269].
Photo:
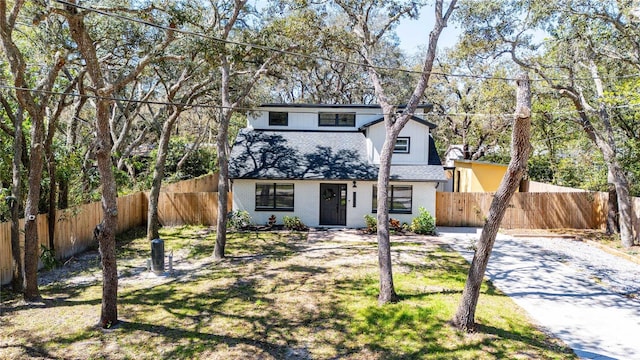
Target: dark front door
[333, 204]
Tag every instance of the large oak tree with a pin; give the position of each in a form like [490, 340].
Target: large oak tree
[370, 21]
[104, 85]
[589, 46]
[33, 86]
[520, 151]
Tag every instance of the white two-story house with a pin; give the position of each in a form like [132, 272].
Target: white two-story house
[320, 163]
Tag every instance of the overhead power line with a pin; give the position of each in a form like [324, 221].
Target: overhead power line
[249, 109]
[307, 56]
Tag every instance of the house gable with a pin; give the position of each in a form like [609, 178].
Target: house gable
[415, 134]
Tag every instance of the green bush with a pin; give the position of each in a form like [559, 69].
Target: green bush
[238, 220]
[424, 223]
[200, 161]
[293, 223]
[5, 204]
[48, 258]
[371, 223]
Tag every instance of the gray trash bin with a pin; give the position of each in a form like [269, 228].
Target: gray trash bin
[157, 256]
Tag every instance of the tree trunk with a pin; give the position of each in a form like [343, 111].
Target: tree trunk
[613, 227]
[35, 108]
[222, 146]
[387, 291]
[606, 145]
[223, 183]
[616, 172]
[63, 194]
[17, 281]
[35, 105]
[72, 129]
[625, 208]
[31, 243]
[619, 180]
[53, 188]
[153, 224]
[107, 233]
[393, 125]
[464, 318]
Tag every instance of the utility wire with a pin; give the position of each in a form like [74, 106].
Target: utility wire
[307, 56]
[250, 109]
[198, 105]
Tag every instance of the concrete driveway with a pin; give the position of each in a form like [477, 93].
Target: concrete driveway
[596, 322]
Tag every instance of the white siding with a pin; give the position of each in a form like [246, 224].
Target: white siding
[424, 195]
[307, 118]
[307, 205]
[418, 147]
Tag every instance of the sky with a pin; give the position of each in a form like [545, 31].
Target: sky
[414, 34]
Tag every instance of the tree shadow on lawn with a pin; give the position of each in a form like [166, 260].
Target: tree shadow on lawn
[261, 309]
[33, 349]
[8, 295]
[129, 245]
[247, 245]
[238, 314]
[53, 297]
[198, 342]
[417, 332]
[398, 331]
[539, 342]
[268, 329]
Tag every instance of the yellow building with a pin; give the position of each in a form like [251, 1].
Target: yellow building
[477, 176]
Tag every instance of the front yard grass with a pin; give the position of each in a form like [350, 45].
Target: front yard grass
[278, 295]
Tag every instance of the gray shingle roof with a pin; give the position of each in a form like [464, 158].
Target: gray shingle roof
[417, 173]
[260, 154]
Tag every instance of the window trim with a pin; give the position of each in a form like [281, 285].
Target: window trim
[274, 202]
[286, 118]
[336, 116]
[408, 146]
[390, 191]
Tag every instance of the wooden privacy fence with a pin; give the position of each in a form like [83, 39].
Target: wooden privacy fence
[74, 227]
[577, 210]
[199, 208]
[207, 183]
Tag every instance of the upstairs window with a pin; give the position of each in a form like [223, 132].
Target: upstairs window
[336, 119]
[399, 196]
[402, 145]
[278, 118]
[274, 196]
